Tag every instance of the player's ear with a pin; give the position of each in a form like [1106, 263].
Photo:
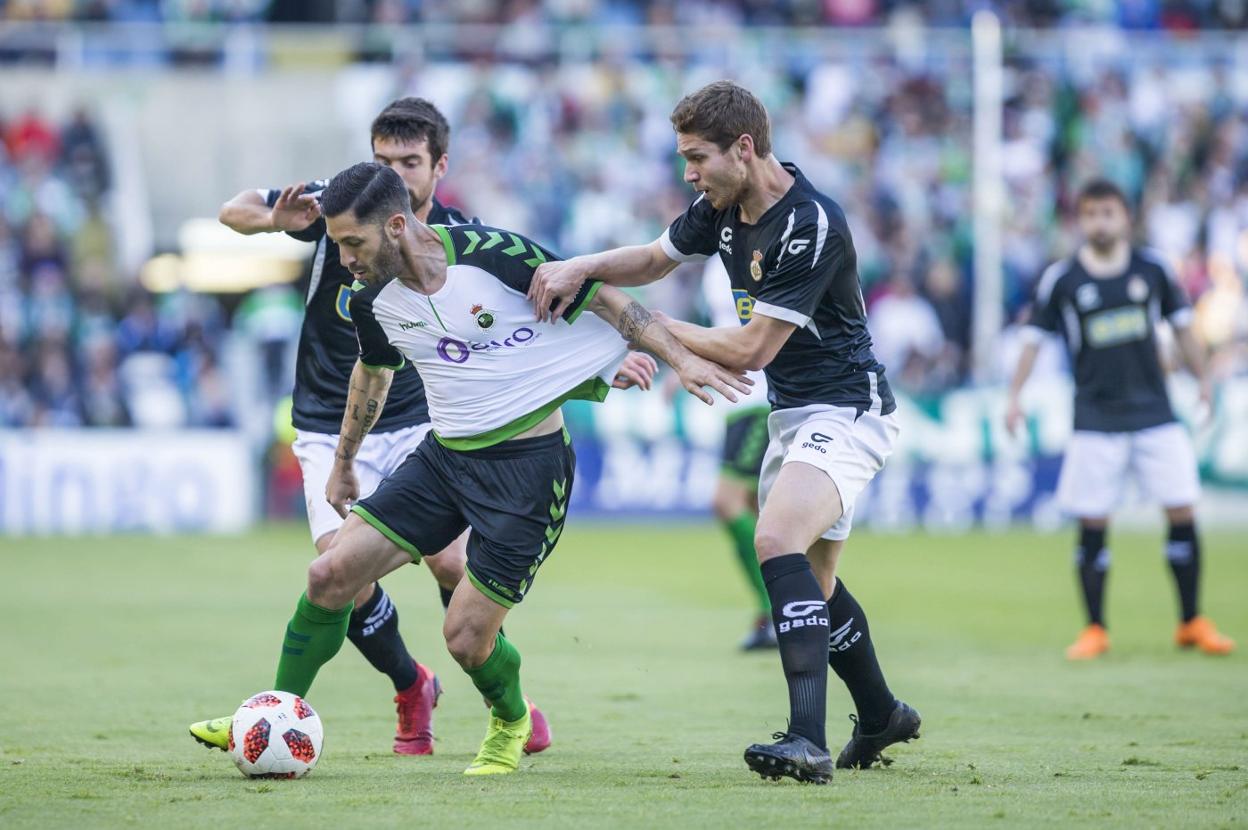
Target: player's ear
[439, 167]
[396, 225]
[745, 147]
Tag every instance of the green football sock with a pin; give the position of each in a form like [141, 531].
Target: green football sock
[741, 529]
[313, 636]
[498, 681]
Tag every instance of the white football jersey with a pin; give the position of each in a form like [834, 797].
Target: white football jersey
[490, 371]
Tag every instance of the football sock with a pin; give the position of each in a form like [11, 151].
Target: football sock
[374, 630]
[313, 636]
[851, 654]
[1183, 553]
[800, 614]
[498, 681]
[1092, 561]
[741, 529]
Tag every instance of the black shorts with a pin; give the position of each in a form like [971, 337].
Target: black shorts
[745, 444]
[513, 495]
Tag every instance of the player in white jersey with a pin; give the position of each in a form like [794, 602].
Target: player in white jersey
[451, 300]
[745, 443]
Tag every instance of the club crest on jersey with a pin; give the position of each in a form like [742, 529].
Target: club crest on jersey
[1137, 289]
[756, 267]
[483, 316]
[1087, 296]
[342, 303]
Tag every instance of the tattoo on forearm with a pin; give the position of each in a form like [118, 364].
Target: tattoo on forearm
[633, 322]
[370, 414]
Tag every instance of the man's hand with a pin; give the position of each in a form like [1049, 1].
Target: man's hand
[696, 372]
[637, 370]
[1013, 416]
[343, 489]
[555, 283]
[295, 210]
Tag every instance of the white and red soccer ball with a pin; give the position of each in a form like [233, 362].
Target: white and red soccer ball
[275, 735]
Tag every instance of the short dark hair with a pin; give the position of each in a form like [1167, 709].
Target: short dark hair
[721, 113]
[1100, 188]
[411, 120]
[369, 190]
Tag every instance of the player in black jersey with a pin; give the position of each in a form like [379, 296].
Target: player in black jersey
[1106, 301]
[412, 137]
[794, 279]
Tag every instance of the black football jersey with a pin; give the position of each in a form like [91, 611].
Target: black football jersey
[1109, 325]
[327, 344]
[796, 263]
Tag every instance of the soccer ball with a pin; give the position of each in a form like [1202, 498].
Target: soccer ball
[275, 735]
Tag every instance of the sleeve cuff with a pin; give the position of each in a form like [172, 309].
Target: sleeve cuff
[674, 254]
[1030, 335]
[788, 315]
[374, 366]
[572, 313]
[1181, 318]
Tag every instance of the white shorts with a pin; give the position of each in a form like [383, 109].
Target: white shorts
[849, 447]
[379, 456]
[1099, 464]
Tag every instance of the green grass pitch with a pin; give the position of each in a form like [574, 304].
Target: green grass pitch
[111, 646]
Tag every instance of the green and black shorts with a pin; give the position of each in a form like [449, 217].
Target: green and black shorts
[513, 495]
[745, 444]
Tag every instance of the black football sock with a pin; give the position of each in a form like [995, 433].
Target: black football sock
[1183, 553]
[1092, 561]
[374, 629]
[801, 617]
[851, 654]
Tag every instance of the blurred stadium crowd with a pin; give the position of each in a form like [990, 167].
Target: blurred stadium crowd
[1174, 15]
[581, 157]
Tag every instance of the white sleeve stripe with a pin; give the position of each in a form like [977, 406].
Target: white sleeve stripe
[1181, 317]
[784, 239]
[788, 315]
[1031, 334]
[674, 253]
[821, 235]
[1048, 280]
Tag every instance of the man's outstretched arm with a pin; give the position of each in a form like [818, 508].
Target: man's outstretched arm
[640, 328]
[249, 212]
[556, 283]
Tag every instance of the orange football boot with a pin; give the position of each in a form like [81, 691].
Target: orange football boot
[1092, 642]
[1199, 632]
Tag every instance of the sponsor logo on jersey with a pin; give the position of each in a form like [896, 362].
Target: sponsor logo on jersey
[412, 324]
[744, 303]
[342, 303]
[483, 316]
[797, 246]
[756, 267]
[1137, 289]
[725, 240]
[803, 614]
[453, 350]
[1116, 326]
[1087, 296]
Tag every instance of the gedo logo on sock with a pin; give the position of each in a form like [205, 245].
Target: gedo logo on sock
[802, 614]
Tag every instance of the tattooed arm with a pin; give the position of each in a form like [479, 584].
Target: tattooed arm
[640, 328]
[365, 400]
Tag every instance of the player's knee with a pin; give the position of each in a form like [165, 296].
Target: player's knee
[447, 567]
[770, 542]
[1181, 515]
[326, 586]
[468, 650]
